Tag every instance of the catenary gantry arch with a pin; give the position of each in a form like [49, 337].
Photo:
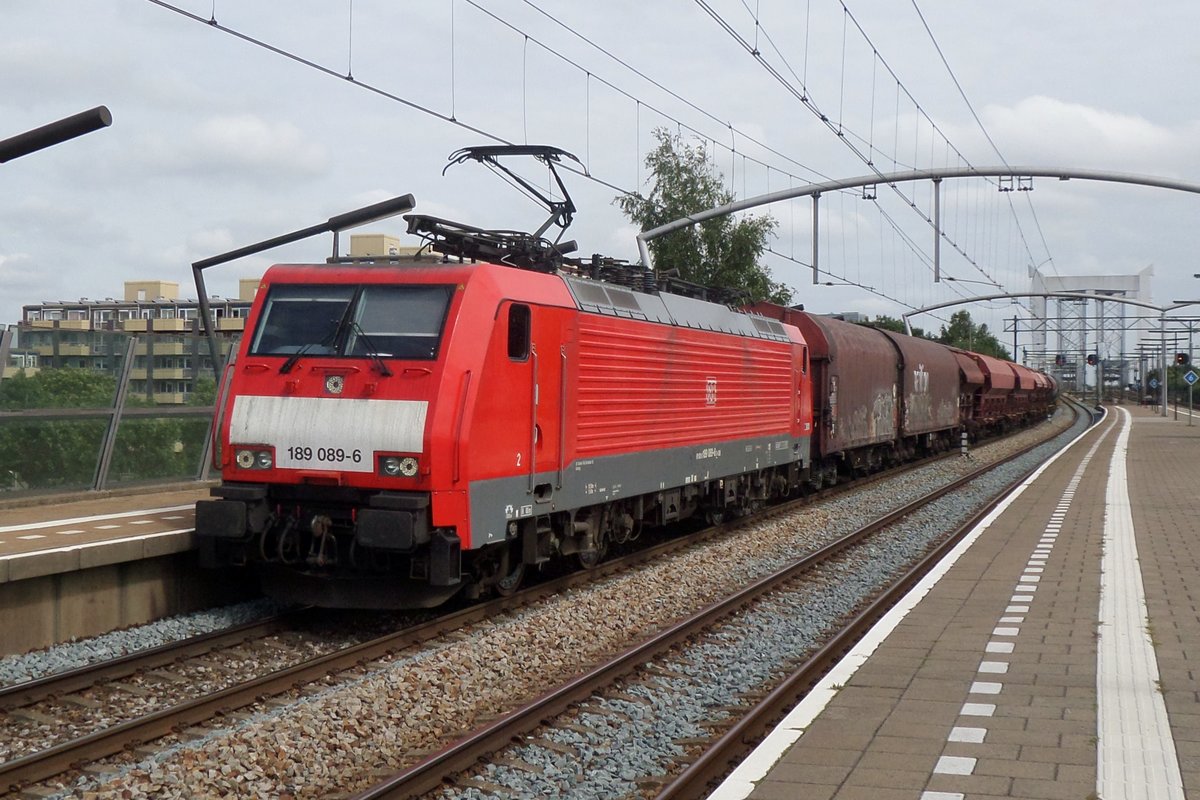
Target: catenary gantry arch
[815, 190]
[983, 298]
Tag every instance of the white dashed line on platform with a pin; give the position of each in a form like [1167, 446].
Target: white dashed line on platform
[54, 523]
[955, 765]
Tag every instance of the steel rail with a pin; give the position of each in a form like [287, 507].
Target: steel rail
[35, 767]
[56, 760]
[719, 758]
[27, 693]
[430, 773]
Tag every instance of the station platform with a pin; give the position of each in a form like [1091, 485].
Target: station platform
[81, 565]
[1054, 654]
[41, 536]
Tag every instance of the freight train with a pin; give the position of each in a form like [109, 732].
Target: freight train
[399, 432]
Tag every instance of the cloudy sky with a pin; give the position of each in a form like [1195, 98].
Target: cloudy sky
[218, 141]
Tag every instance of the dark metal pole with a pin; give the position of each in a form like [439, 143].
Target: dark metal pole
[359, 216]
[54, 133]
[114, 422]
[937, 230]
[815, 250]
[1162, 360]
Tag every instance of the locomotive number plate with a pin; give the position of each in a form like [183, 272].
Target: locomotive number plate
[329, 432]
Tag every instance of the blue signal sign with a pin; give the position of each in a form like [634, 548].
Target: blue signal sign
[1191, 378]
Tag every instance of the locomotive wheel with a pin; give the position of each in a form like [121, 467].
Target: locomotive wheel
[588, 559]
[507, 571]
[508, 585]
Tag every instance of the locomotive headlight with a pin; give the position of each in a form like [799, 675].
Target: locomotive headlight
[408, 467]
[389, 465]
[248, 458]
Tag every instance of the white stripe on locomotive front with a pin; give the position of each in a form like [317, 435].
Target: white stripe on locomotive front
[331, 428]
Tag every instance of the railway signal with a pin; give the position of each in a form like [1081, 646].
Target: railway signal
[1182, 359]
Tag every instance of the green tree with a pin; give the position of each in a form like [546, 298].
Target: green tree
[204, 392]
[44, 454]
[58, 388]
[964, 333]
[39, 453]
[720, 252]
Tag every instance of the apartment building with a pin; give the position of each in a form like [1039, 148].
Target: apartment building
[170, 352]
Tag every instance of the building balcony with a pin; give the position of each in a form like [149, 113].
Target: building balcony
[75, 324]
[231, 324]
[46, 350]
[168, 373]
[169, 398]
[134, 325]
[150, 346]
[74, 350]
[175, 325]
[10, 370]
[41, 323]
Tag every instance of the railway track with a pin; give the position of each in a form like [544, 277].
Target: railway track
[707, 761]
[68, 756]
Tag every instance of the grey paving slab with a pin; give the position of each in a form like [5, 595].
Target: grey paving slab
[1040, 742]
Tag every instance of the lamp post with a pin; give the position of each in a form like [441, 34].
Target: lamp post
[54, 133]
[335, 224]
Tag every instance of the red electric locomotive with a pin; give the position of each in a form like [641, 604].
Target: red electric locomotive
[397, 432]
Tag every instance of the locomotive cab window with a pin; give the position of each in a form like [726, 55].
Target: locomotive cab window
[518, 332]
[373, 321]
[301, 317]
[398, 321]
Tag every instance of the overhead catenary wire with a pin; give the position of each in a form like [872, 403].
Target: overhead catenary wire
[625, 64]
[983, 128]
[733, 132]
[804, 96]
[215, 25]
[479, 130]
[844, 133]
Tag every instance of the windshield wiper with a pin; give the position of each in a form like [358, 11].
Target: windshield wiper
[286, 366]
[328, 341]
[372, 350]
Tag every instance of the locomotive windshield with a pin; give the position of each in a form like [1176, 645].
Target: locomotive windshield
[371, 321]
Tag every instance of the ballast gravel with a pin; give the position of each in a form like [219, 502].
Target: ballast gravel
[746, 653]
[82, 652]
[345, 733]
